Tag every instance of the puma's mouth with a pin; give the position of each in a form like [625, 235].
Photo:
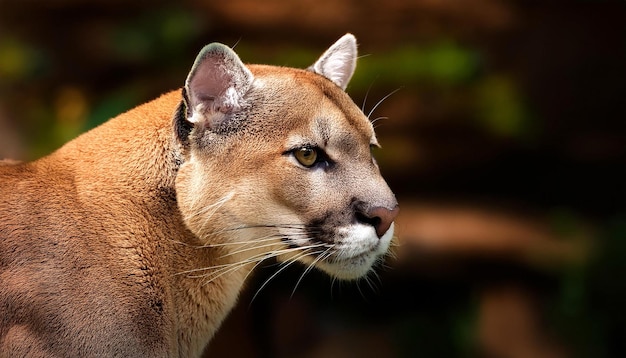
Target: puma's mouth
[349, 257]
[356, 265]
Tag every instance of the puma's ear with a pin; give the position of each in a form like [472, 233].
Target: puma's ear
[338, 62]
[216, 85]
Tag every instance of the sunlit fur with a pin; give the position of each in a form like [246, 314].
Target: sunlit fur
[136, 238]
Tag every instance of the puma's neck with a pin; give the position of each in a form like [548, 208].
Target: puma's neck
[139, 168]
[142, 231]
[136, 150]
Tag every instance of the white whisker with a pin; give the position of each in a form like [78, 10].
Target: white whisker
[366, 95]
[226, 230]
[359, 289]
[237, 265]
[270, 255]
[252, 245]
[215, 208]
[319, 258]
[241, 243]
[258, 257]
[207, 208]
[370, 284]
[381, 101]
[266, 245]
[224, 272]
[283, 267]
[332, 284]
[376, 120]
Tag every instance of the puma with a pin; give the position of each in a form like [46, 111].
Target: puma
[135, 239]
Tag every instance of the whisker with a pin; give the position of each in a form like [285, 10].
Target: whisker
[359, 289]
[370, 284]
[332, 284]
[219, 202]
[366, 95]
[381, 101]
[277, 226]
[283, 267]
[218, 268]
[386, 267]
[222, 244]
[258, 257]
[236, 43]
[216, 207]
[203, 269]
[297, 227]
[266, 245]
[321, 257]
[224, 272]
[253, 241]
[377, 276]
[235, 266]
[241, 243]
[252, 245]
[256, 265]
[376, 120]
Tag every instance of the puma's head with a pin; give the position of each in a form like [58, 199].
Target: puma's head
[278, 163]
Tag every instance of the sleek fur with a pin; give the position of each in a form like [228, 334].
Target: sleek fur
[135, 239]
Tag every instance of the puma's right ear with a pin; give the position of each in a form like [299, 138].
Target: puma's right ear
[216, 85]
[338, 62]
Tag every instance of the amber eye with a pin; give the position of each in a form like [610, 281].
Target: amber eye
[306, 156]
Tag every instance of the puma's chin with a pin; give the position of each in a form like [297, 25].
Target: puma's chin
[356, 254]
[350, 269]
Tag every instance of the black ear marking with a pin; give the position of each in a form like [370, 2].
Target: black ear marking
[182, 127]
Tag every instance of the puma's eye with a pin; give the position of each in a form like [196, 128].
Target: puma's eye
[306, 156]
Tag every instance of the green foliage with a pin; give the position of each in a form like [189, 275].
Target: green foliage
[19, 61]
[111, 105]
[442, 64]
[500, 108]
[155, 35]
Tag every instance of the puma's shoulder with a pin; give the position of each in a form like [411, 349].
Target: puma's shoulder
[135, 238]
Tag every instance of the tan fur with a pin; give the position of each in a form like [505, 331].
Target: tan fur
[111, 245]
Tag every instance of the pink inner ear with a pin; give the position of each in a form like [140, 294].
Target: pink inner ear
[209, 82]
[217, 82]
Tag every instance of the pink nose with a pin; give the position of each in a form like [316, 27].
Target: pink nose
[380, 218]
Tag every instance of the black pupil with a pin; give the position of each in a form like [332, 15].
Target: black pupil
[307, 153]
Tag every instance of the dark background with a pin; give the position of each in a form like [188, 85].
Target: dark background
[505, 144]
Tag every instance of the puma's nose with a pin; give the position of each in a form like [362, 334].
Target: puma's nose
[379, 217]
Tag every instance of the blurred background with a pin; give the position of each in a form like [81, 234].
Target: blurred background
[504, 140]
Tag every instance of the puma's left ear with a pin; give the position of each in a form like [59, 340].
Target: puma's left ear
[338, 62]
[216, 85]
